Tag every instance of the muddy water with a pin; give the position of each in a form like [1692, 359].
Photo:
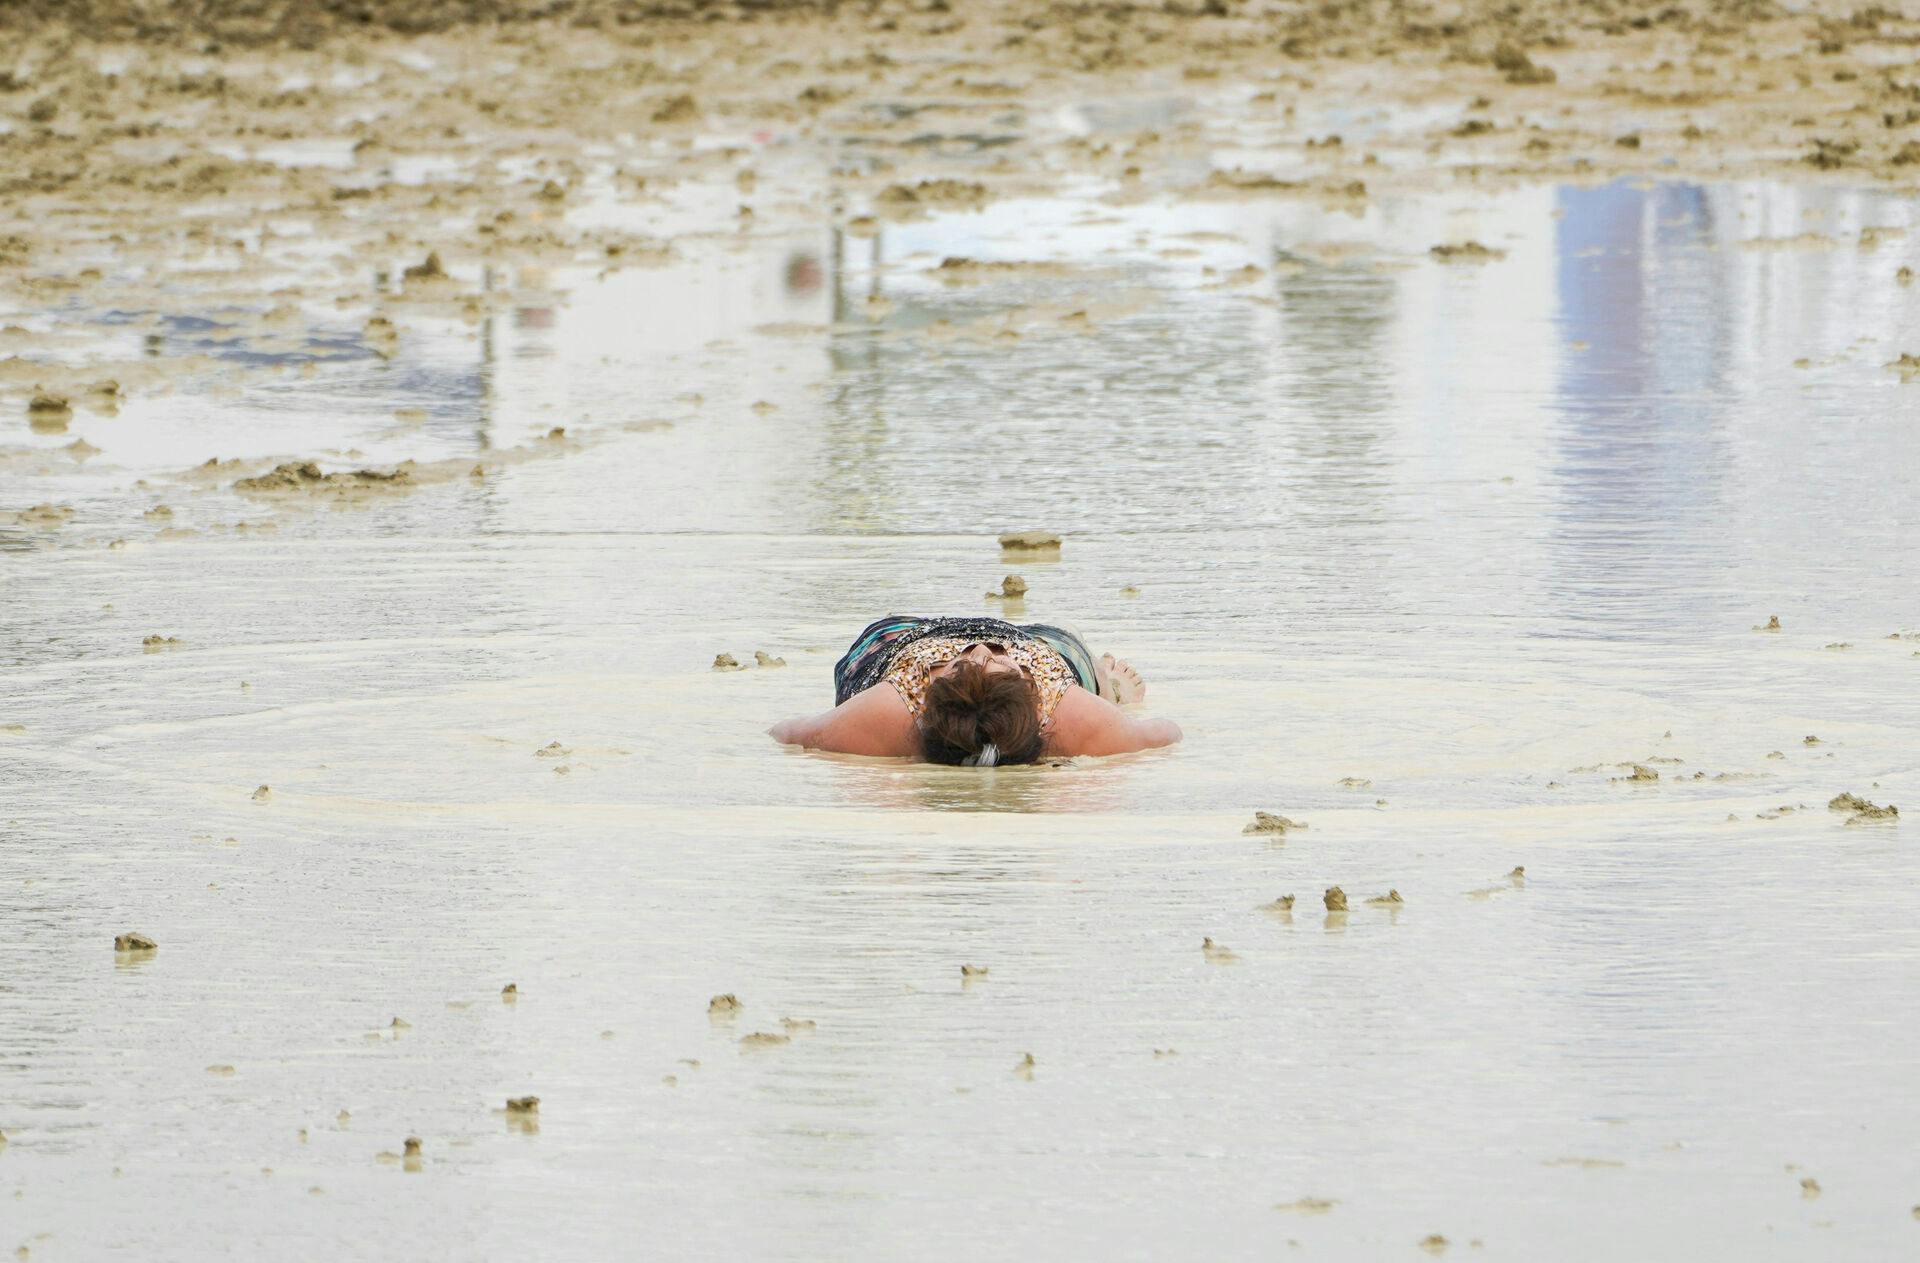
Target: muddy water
[1427, 555]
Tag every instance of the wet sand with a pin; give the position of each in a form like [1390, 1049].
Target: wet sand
[1492, 470]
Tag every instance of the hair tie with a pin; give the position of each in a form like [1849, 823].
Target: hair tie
[989, 755]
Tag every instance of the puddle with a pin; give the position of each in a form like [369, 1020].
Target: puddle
[1429, 552]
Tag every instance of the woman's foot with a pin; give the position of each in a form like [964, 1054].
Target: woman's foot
[1119, 682]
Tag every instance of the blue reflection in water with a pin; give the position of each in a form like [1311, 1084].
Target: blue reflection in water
[1642, 444]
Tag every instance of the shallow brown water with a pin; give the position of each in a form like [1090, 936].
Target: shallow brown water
[1480, 535]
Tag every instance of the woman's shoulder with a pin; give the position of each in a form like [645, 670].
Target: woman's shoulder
[1085, 724]
[872, 721]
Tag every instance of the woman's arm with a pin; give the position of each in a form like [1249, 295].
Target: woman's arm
[874, 721]
[1085, 724]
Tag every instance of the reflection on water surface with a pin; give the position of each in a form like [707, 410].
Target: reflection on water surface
[1474, 537]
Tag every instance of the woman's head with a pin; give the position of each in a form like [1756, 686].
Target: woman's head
[979, 712]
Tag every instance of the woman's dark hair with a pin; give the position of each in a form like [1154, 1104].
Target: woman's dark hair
[976, 716]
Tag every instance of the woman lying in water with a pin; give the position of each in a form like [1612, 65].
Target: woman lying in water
[977, 692]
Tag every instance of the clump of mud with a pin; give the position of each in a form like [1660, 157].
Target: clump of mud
[1030, 542]
[48, 409]
[1771, 625]
[678, 108]
[1391, 899]
[972, 973]
[1268, 822]
[305, 476]
[1335, 899]
[761, 658]
[1284, 904]
[909, 200]
[764, 1039]
[1218, 953]
[1514, 64]
[45, 515]
[1308, 1205]
[1862, 811]
[1516, 880]
[1466, 252]
[726, 662]
[724, 1005]
[523, 1105]
[959, 270]
[381, 337]
[1012, 588]
[131, 942]
[429, 269]
[1023, 1069]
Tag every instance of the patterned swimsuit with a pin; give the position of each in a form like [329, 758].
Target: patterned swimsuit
[903, 651]
[913, 666]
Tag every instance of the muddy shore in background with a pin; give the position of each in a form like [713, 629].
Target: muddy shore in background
[143, 146]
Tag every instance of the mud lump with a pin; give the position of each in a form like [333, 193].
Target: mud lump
[1012, 588]
[1466, 252]
[429, 269]
[1218, 953]
[1030, 542]
[1267, 822]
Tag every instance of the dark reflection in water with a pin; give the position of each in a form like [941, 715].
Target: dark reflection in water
[1642, 450]
[1334, 323]
[1048, 787]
